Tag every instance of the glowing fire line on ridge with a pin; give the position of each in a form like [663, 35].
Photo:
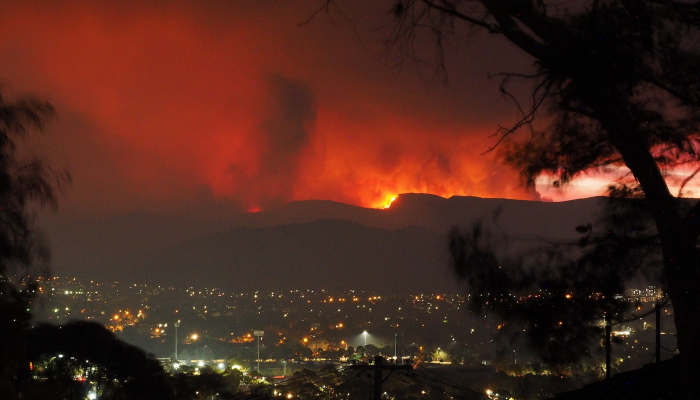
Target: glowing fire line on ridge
[387, 205]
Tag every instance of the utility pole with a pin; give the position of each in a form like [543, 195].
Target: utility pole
[177, 325]
[258, 334]
[658, 331]
[377, 378]
[379, 367]
[607, 349]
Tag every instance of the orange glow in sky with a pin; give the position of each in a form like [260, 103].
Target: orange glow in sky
[179, 106]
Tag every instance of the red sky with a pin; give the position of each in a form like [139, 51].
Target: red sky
[177, 105]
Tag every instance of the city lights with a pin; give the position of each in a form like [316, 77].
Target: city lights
[322, 339]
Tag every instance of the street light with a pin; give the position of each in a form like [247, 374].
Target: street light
[396, 335]
[365, 335]
[345, 343]
[258, 334]
[177, 325]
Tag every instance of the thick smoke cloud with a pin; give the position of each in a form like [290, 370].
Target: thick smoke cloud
[179, 106]
[285, 135]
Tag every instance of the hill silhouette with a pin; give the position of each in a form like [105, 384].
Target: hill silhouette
[303, 244]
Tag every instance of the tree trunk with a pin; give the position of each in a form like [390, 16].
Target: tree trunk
[678, 237]
[681, 262]
[681, 265]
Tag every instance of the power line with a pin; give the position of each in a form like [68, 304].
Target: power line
[293, 381]
[414, 378]
[346, 381]
[423, 383]
[299, 380]
[435, 373]
[452, 383]
[378, 369]
[452, 386]
[303, 379]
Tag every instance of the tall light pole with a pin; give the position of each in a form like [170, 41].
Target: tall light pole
[177, 325]
[365, 335]
[396, 335]
[258, 334]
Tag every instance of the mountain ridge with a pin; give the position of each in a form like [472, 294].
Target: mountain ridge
[407, 239]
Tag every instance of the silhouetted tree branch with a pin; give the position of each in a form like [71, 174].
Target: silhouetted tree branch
[22, 252]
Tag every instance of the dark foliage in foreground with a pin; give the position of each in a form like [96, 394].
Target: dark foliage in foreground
[121, 370]
[559, 296]
[23, 182]
[618, 83]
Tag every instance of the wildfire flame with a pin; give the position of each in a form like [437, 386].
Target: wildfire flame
[387, 205]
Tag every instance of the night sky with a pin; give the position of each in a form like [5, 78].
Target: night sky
[190, 107]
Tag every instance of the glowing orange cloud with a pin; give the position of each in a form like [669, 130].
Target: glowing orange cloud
[169, 105]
